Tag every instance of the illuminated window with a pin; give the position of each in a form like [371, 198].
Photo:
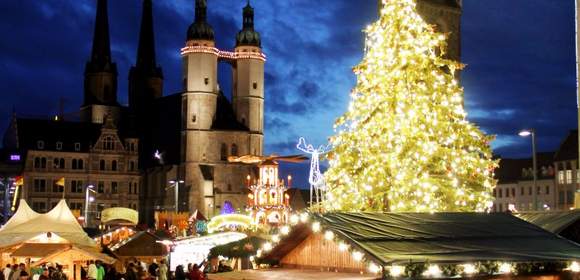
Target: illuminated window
[568, 176]
[561, 177]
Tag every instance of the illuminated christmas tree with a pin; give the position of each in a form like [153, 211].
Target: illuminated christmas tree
[405, 143]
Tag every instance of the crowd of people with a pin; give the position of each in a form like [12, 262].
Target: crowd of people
[97, 270]
[22, 272]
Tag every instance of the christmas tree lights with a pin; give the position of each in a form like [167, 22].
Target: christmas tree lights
[405, 143]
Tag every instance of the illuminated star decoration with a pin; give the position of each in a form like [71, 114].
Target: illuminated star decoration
[159, 156]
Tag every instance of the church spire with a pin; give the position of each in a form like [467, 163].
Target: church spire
[146, 49]
[200, 29]
[101, 53]
[100, 71]
[248, 36]
[146, 77]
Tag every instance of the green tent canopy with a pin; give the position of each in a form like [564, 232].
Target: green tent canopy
[398, 238]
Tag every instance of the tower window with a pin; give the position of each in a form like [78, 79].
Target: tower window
[224, 152]
[206, 81]
[234, 150]
[193, 118]
[255, 85]
[77, 147]
[59, 146]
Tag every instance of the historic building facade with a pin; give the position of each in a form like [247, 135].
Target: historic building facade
[160, 147]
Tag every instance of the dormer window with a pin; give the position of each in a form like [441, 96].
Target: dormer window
[40, 145]
[77, 147]
[59, 146]
[108, 143]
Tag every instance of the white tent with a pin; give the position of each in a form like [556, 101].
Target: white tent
[23, 213]
[28, 225]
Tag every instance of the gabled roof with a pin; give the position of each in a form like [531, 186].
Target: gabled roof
[510, 169]
[555, 221]
[389, 238]
[60, 221]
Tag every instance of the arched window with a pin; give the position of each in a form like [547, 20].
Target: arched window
[234, 151]
[114, 165]
[74, 163]
[43, 162]
[61, 163]
[36, 162]
[80, 164]
[224, 152]
[102, 165]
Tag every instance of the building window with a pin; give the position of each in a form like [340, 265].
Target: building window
[255, 85]
[114, 188]
[39, 206]
[101, 187]
[547, 189]
[108, 143]
[206, 81]
[234, 150]
[193, 118]
[561, 177]
[577, 175]
[513, 192]
[570, 198]
[224, 152]
[500, 207]
[131, 165]
[102, 165]
[76, 205]
[40, 145]
[522, 192]
[39, 162]
[58, 163]
[59, 146]
[114, 165]
[39, 185]
[494, 193]
[569, 176]
[529, 190]
[57, 188]
[507, 192]
[77, 147]
[500, 193]
[76, 186]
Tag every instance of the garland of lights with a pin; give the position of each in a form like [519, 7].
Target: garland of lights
[223, 54]
[417, 270]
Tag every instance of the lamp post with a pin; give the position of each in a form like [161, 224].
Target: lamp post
[90, 188]
[526, 133]
[176, 183]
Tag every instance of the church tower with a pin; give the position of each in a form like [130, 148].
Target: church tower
[248, 94]
[100, 85]
[146, 77]
[199, 74]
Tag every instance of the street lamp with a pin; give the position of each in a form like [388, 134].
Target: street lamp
[90, 188]
[176, 183]
[526, 133]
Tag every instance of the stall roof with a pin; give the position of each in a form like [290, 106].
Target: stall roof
[555, 222]
[59, 220]
[441, 237]
[39, 250]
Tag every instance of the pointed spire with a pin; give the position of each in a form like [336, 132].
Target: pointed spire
[200, 10]
[200, 29]
[101, 43]
[146, 49]
[248, 36]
